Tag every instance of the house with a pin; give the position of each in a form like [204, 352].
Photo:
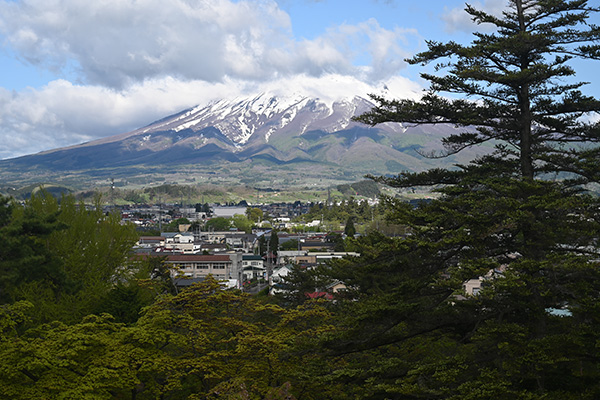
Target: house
[335, 287]
[182, 238]
[322, 257]
[151, 241]
[200, 266]
[253, 267]
[213, 247]
[277, 278]
[182, 242]
[214, 237]
[304, 257]
[241, 240]
[289, 256]
[472, 287]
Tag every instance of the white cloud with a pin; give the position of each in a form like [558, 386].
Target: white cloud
[117, 43]
[114, 43]
[62, 114]
[457, 19]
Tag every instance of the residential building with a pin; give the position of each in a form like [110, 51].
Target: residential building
[253, 267]
[199, 266]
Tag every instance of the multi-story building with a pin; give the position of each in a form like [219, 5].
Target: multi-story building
[253, 266]
[226, 266]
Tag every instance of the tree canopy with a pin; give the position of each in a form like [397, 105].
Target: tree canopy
[204, 343]
[61, 255]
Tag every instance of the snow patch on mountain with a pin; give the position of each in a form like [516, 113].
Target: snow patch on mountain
[263, 115]
[291, 106]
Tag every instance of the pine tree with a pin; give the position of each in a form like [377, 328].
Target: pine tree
[533, 241]
[349, 230]
[513, 91]
[274, 242]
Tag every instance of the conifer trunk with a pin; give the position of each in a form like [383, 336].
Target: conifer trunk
[526, 162]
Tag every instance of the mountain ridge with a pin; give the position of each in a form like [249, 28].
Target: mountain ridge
[254, 135]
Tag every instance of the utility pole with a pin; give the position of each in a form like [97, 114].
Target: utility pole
[112, 192]
[159, 214]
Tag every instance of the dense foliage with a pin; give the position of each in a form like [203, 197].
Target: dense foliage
[360, 211]
[366, 188]
[203, 343]
[527, 334]
[532, 243]
[61, 256]
[78, 321]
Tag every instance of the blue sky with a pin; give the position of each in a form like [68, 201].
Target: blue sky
[74, 71]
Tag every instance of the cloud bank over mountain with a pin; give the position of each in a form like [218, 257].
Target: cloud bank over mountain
[118, 65]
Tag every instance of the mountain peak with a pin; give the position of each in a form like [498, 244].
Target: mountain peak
[287, 131]
[257, 117]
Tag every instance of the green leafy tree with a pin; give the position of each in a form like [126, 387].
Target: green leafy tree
[242, 223]
[360, 211]
[366, 188]
[261, 245]
[334, 237]
[300, 283]
[218, 224]
[204, 343]
[203, 208]
[174, 225]
[405, 294]
[24, 255]
[254, 214]
[125, 301]
[291, 244]
[65, 257]
[84, 360]
[12, 318]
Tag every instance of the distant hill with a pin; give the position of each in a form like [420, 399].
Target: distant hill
[265, 138]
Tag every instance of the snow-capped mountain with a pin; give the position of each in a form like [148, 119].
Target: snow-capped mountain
[253, 120]
[256, 133]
